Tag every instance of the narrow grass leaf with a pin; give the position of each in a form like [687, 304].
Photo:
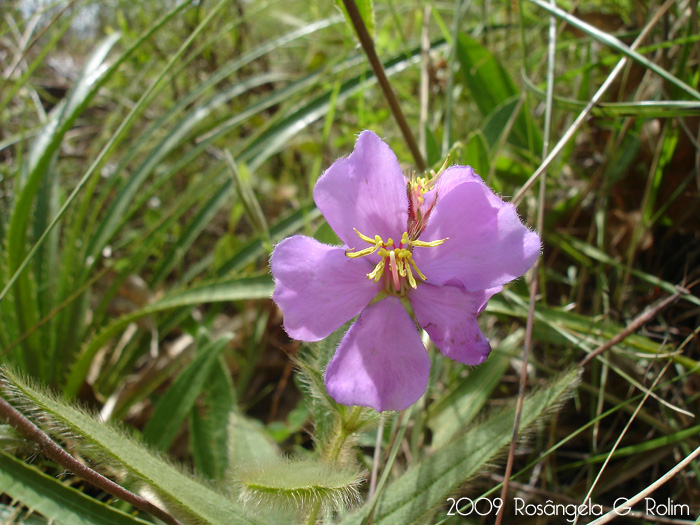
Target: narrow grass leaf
[173, 408]
[646, 109]
[209, 429]
[58, 502]
[28, 184]
[225, 291]
[616, 44]
[427, 483]
[477, 153]
[454, 411]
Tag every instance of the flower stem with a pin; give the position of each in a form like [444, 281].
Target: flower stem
[377, 457]
[347, 427]
[368, 47]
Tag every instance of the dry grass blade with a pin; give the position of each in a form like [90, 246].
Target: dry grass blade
[616, 512]
[622, 434]
[637, 323]
[569, 134]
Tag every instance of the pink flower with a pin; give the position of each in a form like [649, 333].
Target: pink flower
[440, 247]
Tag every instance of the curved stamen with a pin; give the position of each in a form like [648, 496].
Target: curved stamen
[398, 260]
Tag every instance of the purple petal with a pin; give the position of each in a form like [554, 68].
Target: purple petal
[448, 180]
[317, 287]
[487, 246]
[381, 362]
[367, 191]
[449, 314]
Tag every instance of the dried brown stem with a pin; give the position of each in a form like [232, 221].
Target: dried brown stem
[368, 47]
[637, 323]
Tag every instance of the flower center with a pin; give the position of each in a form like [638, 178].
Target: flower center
[396, 264]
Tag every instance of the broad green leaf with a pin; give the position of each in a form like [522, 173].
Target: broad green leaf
[106, 444]
[248, 441]
[58, 502]
[476, 154]
[427, 483]
[172, 409]
[299, 484]
[492, 87]
[433, 148]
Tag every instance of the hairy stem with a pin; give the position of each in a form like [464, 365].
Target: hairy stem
[347, 427]
[51, 450]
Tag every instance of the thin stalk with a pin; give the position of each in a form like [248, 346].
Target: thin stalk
[394, 445]
[376, 458]
[368, 47]
[619, 438]
[446, 130]
[617, 511]
[534, 286]
[51, 450]
[568, 135]
[424, 82]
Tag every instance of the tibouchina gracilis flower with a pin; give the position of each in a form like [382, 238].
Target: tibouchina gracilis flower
[440, 246]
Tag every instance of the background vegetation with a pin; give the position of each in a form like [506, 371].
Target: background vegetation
[152, 153]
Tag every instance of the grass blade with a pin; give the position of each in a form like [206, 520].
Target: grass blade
[47, 495]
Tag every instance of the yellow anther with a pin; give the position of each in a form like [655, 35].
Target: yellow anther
[401, 266]
[377, 273]
[361, 253]
[377, 239]
[399, 260]
[430, 244]
[420, 274]
[411, 279]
